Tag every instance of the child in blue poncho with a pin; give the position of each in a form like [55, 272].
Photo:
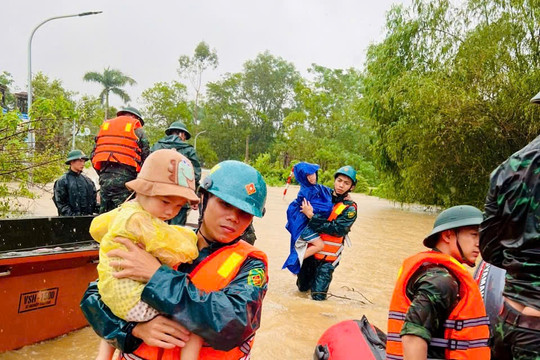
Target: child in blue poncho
[304, 241]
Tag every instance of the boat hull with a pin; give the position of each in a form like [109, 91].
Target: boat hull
[41, 287]
[40, 297]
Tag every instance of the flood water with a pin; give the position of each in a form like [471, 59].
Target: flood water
[383, 235]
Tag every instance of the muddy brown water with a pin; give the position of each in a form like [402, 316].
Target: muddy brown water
[383, 235]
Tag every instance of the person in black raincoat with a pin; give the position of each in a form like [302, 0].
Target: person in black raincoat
[74, 192]
[317, 270]
[226, 319]
[175, 138]
[510, 239]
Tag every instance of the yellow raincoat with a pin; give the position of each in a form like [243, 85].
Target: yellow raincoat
[170, 244]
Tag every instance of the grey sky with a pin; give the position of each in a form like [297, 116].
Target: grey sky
[144, 39]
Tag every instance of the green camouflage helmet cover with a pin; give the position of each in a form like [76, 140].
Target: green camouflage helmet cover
[347, 171]
[237, 184]
[130, 110]
[178, 125]
[453, 218]
[75, 155]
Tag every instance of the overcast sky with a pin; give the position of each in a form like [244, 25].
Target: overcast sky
[144, 39]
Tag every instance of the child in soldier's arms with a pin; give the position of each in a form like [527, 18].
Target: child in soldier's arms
[165, 183]
[304, 241]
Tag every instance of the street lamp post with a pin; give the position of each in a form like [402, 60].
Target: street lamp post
[31, 134]
[195, 140]
[31, 139]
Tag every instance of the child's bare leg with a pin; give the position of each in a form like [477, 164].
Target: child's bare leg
[314, 247]
[105, 351]
[192, 348]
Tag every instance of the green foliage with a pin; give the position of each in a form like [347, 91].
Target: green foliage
[327, 126]
[245, 111]
[8, 100]
[447, 92]
[164, 104]
[206, 153]
[273, 173]
[52, 116]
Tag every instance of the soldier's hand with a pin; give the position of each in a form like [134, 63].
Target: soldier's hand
[135, 263]
[162, 332]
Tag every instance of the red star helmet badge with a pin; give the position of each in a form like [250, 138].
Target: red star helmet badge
[250, 189]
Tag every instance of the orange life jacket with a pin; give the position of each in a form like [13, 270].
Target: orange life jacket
[214, 273]
[117, 142]
[333, 245]
[466, 330]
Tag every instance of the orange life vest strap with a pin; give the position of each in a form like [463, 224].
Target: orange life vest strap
[333, 245]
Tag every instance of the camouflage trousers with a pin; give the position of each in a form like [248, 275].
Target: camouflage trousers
[512, 342]
[113, 190]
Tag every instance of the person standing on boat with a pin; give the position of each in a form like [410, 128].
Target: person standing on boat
[74, 192]
[175, 138]
[437, 310]
[120, 150]
[218, 297]
[510, 239]
[316, 271]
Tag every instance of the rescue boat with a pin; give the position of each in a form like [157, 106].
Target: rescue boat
[46, 264]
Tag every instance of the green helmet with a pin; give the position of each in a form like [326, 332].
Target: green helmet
[536, 99]
[452, 218]
[130, 110]
[237, 184]
[178, 125]
[347, 171]
[75, 155]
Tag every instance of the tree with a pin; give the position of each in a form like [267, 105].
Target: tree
[7, 100]
[112, 80]
[164, 104]
[447, 92]
[253, 104]
[327, 126]
[193, 68]
[52, 115]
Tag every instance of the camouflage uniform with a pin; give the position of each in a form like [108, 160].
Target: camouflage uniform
[176, 143]
[510, 239]
[434, 292]
[113, 177]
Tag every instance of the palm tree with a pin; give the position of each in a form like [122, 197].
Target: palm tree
[112, 80]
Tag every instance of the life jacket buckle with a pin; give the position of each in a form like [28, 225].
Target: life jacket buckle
[452, 344]
[459, 325]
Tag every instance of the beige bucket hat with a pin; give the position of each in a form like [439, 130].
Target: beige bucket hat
[166, 173]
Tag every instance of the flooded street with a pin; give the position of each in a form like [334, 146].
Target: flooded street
[383, 235]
